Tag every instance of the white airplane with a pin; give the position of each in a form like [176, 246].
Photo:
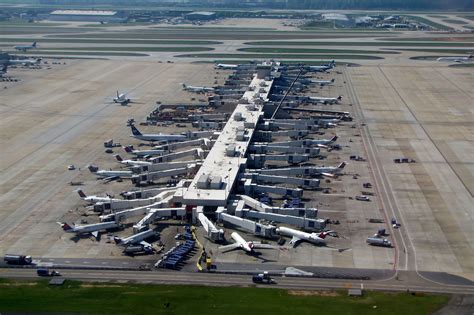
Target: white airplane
[156, 137]
[3, 71]
[131, 162]
[24, 62]
[197, 89]
[109, 175]
[322, 82]
[330, 171]
[89, 228]
[226, 66]
[298, 236]
[143, 153]
[24, 48]
[325, 141]
[136, 239]
[240, 243]
[455, 58]
[323, 68]
[121, 98]
[326, 100]
[94, 199]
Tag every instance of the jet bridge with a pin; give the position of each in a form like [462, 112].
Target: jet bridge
[297, 181]
[268, 135]
[302, 222]
[253, 189]
[195, 153]
[301, 170]
[213, 233]
[152, 176]
[264, 148]
[205, 143]
[138, 211]
[259, 160]
[261, 207]
[263, 230]
[155, 213]
[162, 166]
[148, 193]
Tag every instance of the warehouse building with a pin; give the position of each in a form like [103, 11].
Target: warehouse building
[86, 16]
[200, 15]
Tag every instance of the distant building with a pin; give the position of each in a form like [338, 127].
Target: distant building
[86, 16]
[334, 17]
[200, 15]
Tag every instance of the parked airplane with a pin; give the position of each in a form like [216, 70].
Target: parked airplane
[143, 153]
[94, 199]
[24, 48]
[330, 171]
[226, 66]
[197, 89]
[109, 175]
[3, 71]
[93, 229]
[24, 62]
[324, 141]
[131, 162]
[156, 137]
[240, 243]
[121, 98]
[455, 59]
[136, 239]
[326, 100]
[322, 82]
[323, 68]
[298, 236]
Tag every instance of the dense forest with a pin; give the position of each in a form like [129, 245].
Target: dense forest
[288, 4]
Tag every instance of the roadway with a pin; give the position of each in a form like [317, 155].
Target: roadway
[404, 282]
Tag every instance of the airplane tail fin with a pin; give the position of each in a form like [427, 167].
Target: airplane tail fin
[127, 149]
[339, 98]
[117, 240]
[119, 158]
[92, 168]
[4, 68]
[81, 193]
[333, 139]
[333, 62]
[332, 81]
[183, 85]
[342, 165]
[135, 131]
[34, 45]
[65, 226]
[323, 234]
[118, 95]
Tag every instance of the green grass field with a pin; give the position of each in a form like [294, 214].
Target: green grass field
[376, 44]
[443, 51]
[110, 41]
[217, 35]
[429, 22]
[82, 53]
[281, 56]
[469, 17]
[452, 39]
[130, 48]
[453, 21]
[100, 298]
[311, 51]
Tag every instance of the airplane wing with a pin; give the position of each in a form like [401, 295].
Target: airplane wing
[110, 178]
[264, 246]
[145, 244]
[230, 247]
[294, 241]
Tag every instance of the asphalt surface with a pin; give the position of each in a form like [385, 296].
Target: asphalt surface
[403, 283]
